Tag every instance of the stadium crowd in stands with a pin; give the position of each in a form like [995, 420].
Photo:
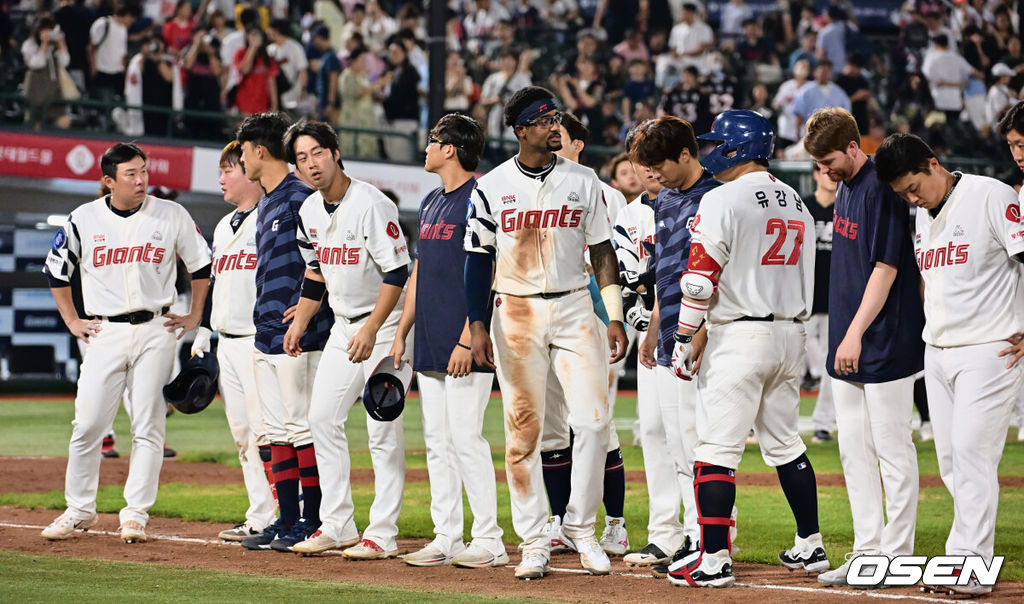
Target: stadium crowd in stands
[946, 71]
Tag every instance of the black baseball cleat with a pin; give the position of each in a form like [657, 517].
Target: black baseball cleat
[708, 570]
[299, 533]
[264, 539]
[806, 554]
[687, 549]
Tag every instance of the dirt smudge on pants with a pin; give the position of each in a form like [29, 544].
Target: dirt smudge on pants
[522, 424]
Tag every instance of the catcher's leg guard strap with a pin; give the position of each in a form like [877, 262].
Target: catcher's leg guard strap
[714, 488]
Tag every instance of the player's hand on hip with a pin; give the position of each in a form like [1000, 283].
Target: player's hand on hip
[617, 341]
[291, 340]
[201, 345]
[1015, 351]
[397, 351]
[83, 329]
[361, 344]
[681, 353]
[646, 349]
[483, 354]
[181, 323]
[289, 313]
[461, 362]
[848, 355]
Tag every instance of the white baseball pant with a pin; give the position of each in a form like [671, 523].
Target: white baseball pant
[750, 377]
[532, 335]
[335, 389]
[459, 456]
[245, 419]
[970, 396]
[824, 417]
[284, 385]
[876, 449]
[677, 402]
[131, 361]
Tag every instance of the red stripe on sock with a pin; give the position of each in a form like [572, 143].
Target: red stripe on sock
[307, 462]
[281, 455]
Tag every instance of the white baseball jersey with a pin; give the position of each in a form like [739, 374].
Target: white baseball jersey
[761, 234]
[234, 274]
[634, 226]
[973, 289]
[614, 201]
[353, 246]
[128, 263]
[539, 228]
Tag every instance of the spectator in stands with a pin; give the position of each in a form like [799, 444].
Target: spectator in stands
[583, 93]
[808, 44]
[357, 105]
[108, 51]
[157, 74]
[46, 56]
[752, 46]
[632, 47]
[329, 14]
[639, 88]
[614, 17]
[1002, 28]
[947, 73]
[377, 27]
[256, 74]
[787, 130]
[291, 60]
[218, 25]
[913, 101]
[202, 85]
[497, 89]
[177, 32]
[857, 87]
[688, 42]
[458, 86]
[74, 19]
[326, 68]
[935, 24]
[980, 50]
[760, 103]
[820, 93]
[1000, 97]
[831, 42]
[232, 42]
[401, 103]
[733, 20]
[356, 24]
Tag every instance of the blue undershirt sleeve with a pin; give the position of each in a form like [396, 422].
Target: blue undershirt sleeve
[397, 277]
[478, 285]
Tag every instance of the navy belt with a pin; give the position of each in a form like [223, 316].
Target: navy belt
[138, 317]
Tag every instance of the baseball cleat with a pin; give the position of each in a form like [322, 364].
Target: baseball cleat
[806, 554]
[650, 554]
[614, 539]
[238, 532]
[318, 543]
[367, 549]
[592, 557]
[477, 556]
[431, 555]
[553, 529]
[837, 577]
[301, 531]
[133, 531]
[687, 552]
[707, 570]
[64, 526]
[169, 452]
[821, 436]
[925, 433]
[264, 539]
[534, 565]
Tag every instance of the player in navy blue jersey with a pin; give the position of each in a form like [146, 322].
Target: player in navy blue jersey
[876, 318]
[283, 382]
[453, 390]
[668, 148]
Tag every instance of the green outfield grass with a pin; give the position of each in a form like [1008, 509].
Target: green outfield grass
[765, 523]
[31, 579]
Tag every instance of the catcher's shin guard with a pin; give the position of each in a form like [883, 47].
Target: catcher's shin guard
[714, 489]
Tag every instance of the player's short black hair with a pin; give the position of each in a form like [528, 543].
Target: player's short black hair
[522, 99]
[321, 132]
[1013, 119]
[902, 154]
[465, 134]
[577, 131]
[664, 140]
[267, 129]
[119, 154]
[637, 130]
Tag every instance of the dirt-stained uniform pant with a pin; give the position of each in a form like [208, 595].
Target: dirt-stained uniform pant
[338, 384]
[122, 361]
[532, 335]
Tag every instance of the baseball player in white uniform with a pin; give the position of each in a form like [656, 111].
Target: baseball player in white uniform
[126, 245]
[755, 297]
[969, 245]
[355, 251]
[533, 215]
[234, 295]
[1011, 127]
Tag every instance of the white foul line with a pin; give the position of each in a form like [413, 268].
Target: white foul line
[578, 571]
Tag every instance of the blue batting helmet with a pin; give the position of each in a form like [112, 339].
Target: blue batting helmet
[742, 131]
[195, 386]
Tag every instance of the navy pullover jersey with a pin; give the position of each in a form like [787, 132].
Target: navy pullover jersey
[280, 268]
[872, 224]
[440, 287]
[673, 214]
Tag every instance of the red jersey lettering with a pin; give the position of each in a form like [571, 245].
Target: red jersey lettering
[104, 256]
[949, 255]
[344, 255]
[564, 217]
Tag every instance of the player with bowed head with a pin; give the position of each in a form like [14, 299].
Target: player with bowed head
[355, 253]
[453, 390]
[530, 219]
[126, 245]
[969, 246]
[754, 297]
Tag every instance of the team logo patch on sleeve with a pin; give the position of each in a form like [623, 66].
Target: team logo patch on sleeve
[393, 231]
[59, 239]
[1013, 213]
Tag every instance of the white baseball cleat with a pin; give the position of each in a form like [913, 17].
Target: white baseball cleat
[553, 529]
[64, 526]
[709, 570]
[477, 556]
[592, 557]
[367, 549]
[239, 532]
[534, 565]
[430, 555]
[806, 554]
[133, 531]
[837, 577]
[614, 539]
[318, 543]
[651, 554]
